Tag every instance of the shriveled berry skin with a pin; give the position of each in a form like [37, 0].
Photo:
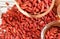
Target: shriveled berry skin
[34, 6]
[53, 33]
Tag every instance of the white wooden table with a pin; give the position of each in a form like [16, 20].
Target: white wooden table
[3, 6]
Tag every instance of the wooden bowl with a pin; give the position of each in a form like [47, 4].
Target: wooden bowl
[48, 26]
[38, 15]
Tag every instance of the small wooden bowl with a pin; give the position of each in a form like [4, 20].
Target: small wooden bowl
[48, 26]
[38, 15]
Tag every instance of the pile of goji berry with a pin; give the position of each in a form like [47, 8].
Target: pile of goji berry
[35, 6]
[53, 33]
[17, 26]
